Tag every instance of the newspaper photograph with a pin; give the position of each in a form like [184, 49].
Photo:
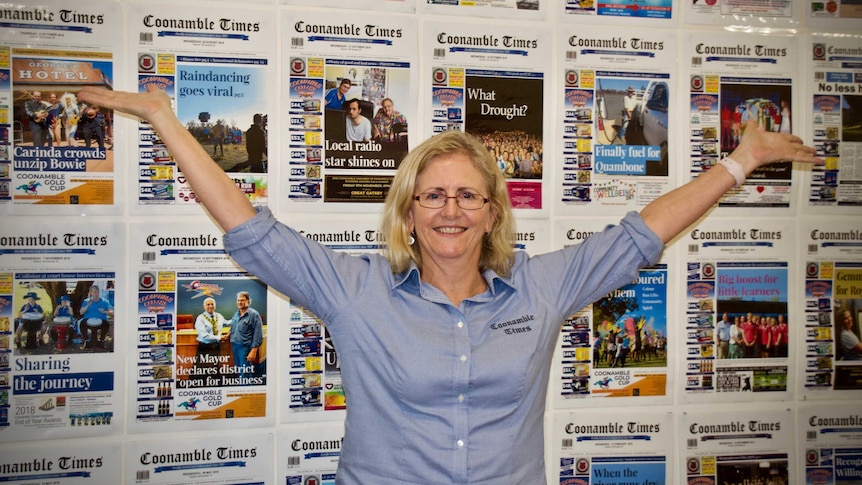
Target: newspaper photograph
[219, 72]
[510, 9]
[309, 454]
[617, 10]
[608, 448]
[76, 462]
[60, 332]
[828, 441]
[736, 307]
[351, 99]
[491, 84]
[744, 446]
[774, 13]
[835, 84]
[201, 334]
[237, 459]
[617, 347]
[312, 390]
[832, 308]
[56, 152]
[616, 116]
[734, 78]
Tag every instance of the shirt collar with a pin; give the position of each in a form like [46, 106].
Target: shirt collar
[411, 280]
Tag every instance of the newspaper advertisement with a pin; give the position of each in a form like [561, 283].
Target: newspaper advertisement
[56, 153]
[836, 113]
[219, 72]
[616, 117]
[832, 14]
[312, 390]
[351, 100]
[605, 448]
[772, 13]
[71, 462]
[738, 447]
[828, 444]
[59, 329]
[237, 459]
[832, 307]
[490, 83]
[513, 9]
[364, 5]
[616, 10]
[309, 454]
[617, 347]
[736, 309]
[201, 333]
[734, 78]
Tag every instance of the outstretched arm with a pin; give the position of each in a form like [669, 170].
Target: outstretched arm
[671, 213]
[213, 188]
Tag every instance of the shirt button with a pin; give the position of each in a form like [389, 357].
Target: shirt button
[460, 398]
[460, 324]
[460, 443]
[463, 358]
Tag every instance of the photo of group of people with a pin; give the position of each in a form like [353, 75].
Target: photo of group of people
[751, 335]
[61, 317]
[768, 105]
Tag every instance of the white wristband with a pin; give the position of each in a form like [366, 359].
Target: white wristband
[735, 169]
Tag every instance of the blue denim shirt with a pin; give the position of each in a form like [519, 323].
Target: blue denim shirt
[438, 393]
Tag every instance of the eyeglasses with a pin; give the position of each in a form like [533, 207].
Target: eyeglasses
[437, 200]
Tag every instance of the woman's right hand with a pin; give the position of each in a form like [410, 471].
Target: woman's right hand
[148, 105]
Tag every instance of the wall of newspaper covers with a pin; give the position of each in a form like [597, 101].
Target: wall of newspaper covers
[740, 338]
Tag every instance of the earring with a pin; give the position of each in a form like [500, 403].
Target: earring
[411, 240]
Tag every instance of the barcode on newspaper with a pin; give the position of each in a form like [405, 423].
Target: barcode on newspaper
[812, 248]
[571, 55]
[811, 435]
[692, 248]
[142, 475]
[692, 442]
[696, 61]
[819, 75]
[148, 256]
[293, 460]
[567, 442]
[146, 37]
[297, 42]
[439, 52]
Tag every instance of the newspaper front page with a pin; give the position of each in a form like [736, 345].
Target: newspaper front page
[350, 104]
[219, 71]
[736, 310]
[607, 448]
[61, 331]
[309, 454]
[238, 459]
[830, 261]
[57, 154]
[834, 78]
[740, 446]
[828, 441]
[198, 316]
[75, 462]
[618, 136]
[616, 349]
[734, 78]
[489, 82]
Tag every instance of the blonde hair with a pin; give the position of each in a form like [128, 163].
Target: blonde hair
[498, 245]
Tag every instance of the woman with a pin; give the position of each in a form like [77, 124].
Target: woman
[55, 115]
[851, 347]
[71, 114]
[446, 343]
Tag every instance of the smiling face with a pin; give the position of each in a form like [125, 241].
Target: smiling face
[450, 235]
[209, 305]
